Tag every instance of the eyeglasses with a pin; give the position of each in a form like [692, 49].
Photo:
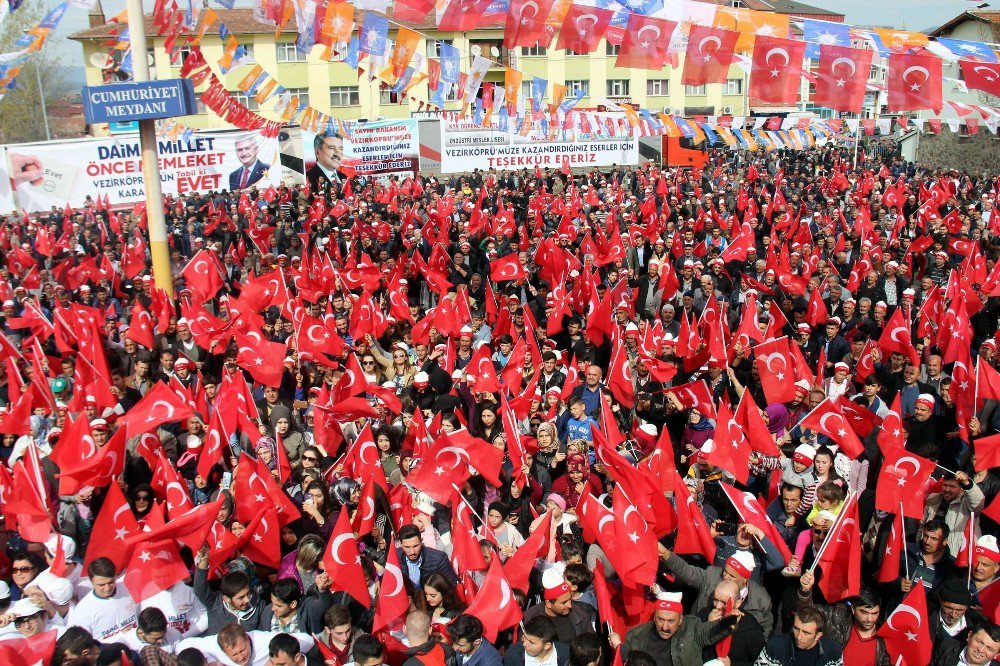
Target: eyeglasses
[368, 363]
[820, 532]
[22, 569]
[21, 621]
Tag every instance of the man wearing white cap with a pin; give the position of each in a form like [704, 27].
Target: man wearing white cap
[738, 568]
[672, 637]
[986, 559]
[570, 619]
[26, 619]
[840, 383]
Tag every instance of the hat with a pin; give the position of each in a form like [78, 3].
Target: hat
[646, 433]
[98, 424]
[833, 321]
[804, 454]
[24, 608]
[988, 342]
[803, 328]
[194, 443]
[465, 332]
[926, 399]
[632, 330]
[554, 582]
[8, 304]
[670, 601]
[955, 591]
[841, 367]
[558, 499]
[909, 292]
[182, 323]
[59, 385]
[881, 305]
[421, 380]
[742, 563]
[58, 590]
[68, 545]
[987, 547]
[803, 386]
[183, 362]
[688, 263]
[705, 449]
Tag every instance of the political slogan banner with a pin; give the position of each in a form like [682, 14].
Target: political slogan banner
[57, 173]
[593, 140]
[381, 148]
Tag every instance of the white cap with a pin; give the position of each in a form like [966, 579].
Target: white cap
[4, 590]
[742, 562]
[649, 429]
[58, 590]
[24, 608]
[68, 545]
[987, 547]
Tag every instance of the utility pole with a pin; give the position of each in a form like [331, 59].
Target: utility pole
[41, 101]
[156, 223]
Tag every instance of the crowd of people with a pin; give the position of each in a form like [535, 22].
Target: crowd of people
[525, 418]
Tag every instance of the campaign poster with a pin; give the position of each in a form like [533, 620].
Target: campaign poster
[380, 148]
[591, 141]
[69, 171]
[7, 204]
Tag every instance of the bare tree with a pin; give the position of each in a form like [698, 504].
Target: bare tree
[21, 117]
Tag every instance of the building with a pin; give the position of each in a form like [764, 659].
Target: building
[336, 89]
[977, 26]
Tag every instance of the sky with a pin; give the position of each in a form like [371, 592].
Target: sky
[916, 15]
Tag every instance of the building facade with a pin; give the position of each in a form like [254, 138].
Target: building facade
[337, 89]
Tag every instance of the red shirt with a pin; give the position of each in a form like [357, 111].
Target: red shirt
[860, 650]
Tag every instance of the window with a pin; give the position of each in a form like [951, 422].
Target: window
[185, 52]
[874, 74]
[657, 87]
[573, 88]
[248, 47]
[201, 106]
[536, 50]
[612, 49]
[344, 96]
[386, 96]
[618, 87]
[571, 52]
[286, 52]
[694, 90]
[733, 87]
[434, 47]
[301, 93]
[246, 100]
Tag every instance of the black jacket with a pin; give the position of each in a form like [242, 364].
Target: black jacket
[781, 651]
[515, 654]
[434, 561]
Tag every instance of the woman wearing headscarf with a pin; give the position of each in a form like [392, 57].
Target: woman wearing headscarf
[577, 481]
[697, 431]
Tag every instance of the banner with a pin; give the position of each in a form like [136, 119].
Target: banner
[202, 161]
[495, 143]
[7, 204]
[381, 148]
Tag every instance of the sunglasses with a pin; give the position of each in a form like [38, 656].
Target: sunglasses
[22, 569]
[142, 498]
[310, 458]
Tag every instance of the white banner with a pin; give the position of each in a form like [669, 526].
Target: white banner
[72, 170]
[468, 145]
[380, 148]
[7, 204]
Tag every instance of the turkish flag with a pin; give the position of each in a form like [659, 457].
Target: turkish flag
[828, 419]
[190, 527]
[507, 268]
[392, 601]
[605, 611]
[444, 465]
[906, 632]
[140, 328]
[202, 276]
[895, 546]
[695, 395]
[748, 416]
[466, 555]
[99, 470]
[19, 651]
[160, 405]
[842, 77]
[620, 377]
[987, 381]
[983, 76]
[155, 566]
[914, 82]
[518, 566]
[774, 363]
[263, 359]
[731, 450]
[776, 70]
[343, 563]
[216, 441]
[75, 445]
[645, 43]
[636, 542]
[896, 338]
[583, 28]
[525, 22]
[693, 534]
[816, 312]
[750, 511]
[709, 55]
[862, 419]
[841, 558]
[261, 540]
[903, 480]
[168, 486]
[114, 523]
[494, 604]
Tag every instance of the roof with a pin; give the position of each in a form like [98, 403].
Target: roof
[800, 9]
[984, 16]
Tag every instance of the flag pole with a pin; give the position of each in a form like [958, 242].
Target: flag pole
[975, 403]
[833, 528]
[902, 533]
[971, 545]
[950, 471]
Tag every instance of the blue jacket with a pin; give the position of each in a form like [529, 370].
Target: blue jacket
[434, 561]
[486, 655]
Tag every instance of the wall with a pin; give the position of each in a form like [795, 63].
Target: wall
[970, 153]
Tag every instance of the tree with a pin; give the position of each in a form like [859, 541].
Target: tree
[21, 118]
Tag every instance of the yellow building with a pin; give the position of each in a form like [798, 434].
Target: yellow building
[336, 89]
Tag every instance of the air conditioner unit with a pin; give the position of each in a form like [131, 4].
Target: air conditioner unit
[673, 111]
[727, 110]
